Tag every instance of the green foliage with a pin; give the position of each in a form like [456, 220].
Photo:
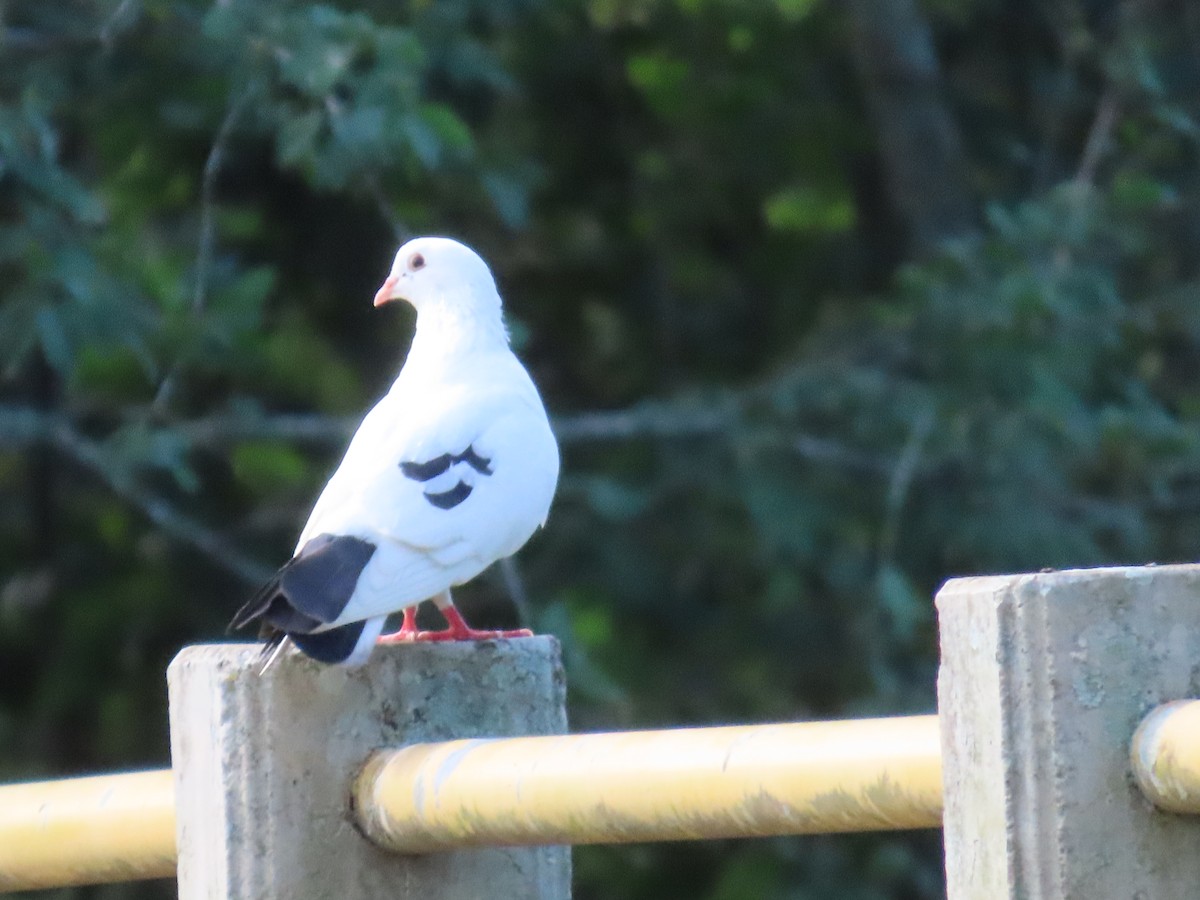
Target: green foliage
[782, 429]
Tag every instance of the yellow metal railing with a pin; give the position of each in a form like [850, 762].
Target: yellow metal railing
[869, 774]
[755, 780]
[632, 786]
[1165, 756]
[87, 830]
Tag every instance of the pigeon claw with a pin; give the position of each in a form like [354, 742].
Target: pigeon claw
[457, 630]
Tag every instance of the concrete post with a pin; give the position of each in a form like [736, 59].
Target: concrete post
[264, 765]
[1044, 679]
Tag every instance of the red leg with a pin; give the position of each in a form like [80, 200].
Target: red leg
[408, 630]
[459, 630]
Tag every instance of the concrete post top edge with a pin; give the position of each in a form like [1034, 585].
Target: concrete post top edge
[241, 655]
[977, 584]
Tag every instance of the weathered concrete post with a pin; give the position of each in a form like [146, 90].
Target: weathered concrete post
[1044, 679]
[264, 766]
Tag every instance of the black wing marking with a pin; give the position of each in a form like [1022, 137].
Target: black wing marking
[313, 588]
[475, 461]
[427, 471]
[451, 498]
[439, 465]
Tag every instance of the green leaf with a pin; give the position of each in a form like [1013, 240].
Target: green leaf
[807, 209]
[509, 197]
[56, 345]
[296, 142]
[269, 466]
[909, 610]
[795, 10]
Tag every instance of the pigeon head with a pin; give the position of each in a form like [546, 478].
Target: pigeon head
[437, 272]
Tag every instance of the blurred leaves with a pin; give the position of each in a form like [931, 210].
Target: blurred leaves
[780, 432]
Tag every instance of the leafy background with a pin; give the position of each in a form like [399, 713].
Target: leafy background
[829, 301]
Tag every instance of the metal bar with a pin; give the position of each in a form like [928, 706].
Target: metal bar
[1165, 756]
[861, 775]
[87, 830]
[633, 786]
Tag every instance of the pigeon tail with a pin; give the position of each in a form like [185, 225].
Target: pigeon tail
[309, 592]
[348, 645]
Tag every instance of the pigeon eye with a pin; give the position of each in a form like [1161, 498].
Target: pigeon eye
[415, 262]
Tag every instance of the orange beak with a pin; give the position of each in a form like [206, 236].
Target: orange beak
[384, 294]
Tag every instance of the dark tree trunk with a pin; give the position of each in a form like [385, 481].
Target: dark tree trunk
[919, 144]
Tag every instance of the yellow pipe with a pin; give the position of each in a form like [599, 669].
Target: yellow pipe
[635, 786]
[87, 830]
[857, 775]
[1165, 756]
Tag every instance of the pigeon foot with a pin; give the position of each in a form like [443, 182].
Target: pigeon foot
[457, 630]
[408, 630]
[470, 634]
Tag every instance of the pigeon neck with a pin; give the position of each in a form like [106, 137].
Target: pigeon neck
[444, 331]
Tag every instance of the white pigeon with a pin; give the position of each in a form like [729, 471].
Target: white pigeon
[452, 470]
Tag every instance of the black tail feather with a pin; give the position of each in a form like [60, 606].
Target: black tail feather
[311, 590]
[332, 646]
[274, 608]
[256, 607]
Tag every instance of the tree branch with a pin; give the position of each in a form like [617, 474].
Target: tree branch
[217, 431]
[653, 420]
[208, 187]
[656, 419]
[901, 482]
[26, 427]
[207, 237]
[1107, 109]
[1097, 139]
[90, 455]
[400, 231]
